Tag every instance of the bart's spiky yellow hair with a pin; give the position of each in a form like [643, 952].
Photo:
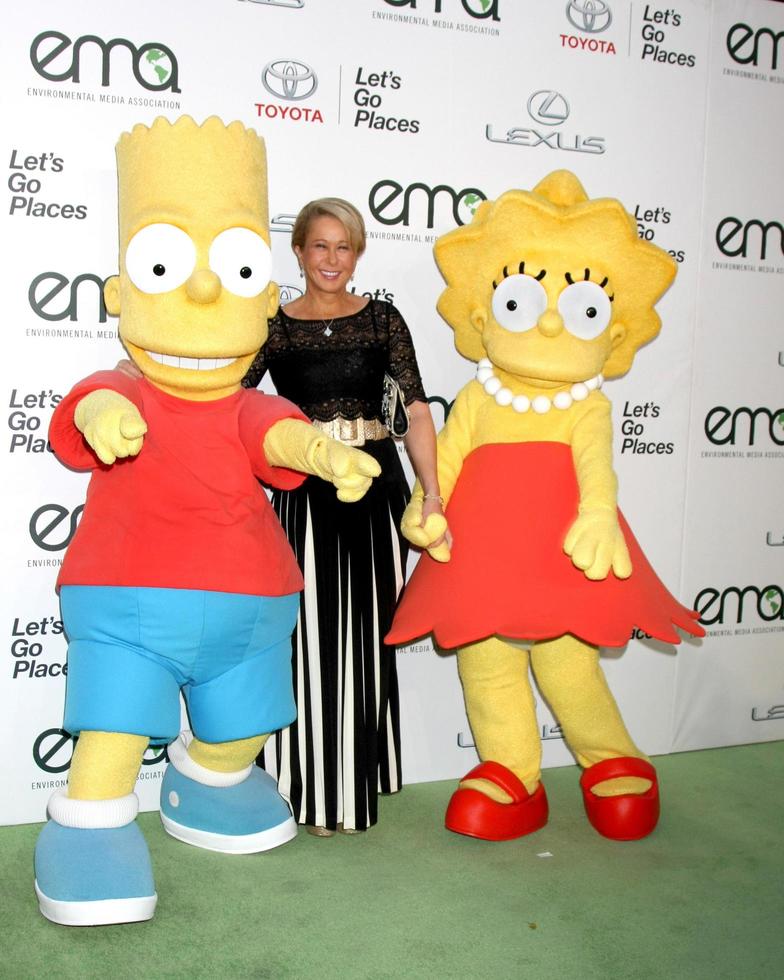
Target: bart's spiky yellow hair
[184, 162]
[556, 227]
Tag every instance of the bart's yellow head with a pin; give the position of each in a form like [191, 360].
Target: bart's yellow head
[194, 290]
[551, 286]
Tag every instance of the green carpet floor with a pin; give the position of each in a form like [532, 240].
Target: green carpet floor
[703, 897]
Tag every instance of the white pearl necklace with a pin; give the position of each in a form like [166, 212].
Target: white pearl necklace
[541, 403]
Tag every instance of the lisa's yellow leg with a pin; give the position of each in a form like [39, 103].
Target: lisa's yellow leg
[226, 756]
[501, 710]
[570, 678]
[105, 765]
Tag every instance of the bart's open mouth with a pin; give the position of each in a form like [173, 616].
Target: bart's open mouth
[191, 363]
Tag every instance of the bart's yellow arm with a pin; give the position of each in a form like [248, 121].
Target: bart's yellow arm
[595, 542]
[299, 446]
[454, 443]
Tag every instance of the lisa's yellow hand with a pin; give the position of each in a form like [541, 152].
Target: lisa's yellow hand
[111, 424]
[350, 470]
[595, 543]
[430, 533]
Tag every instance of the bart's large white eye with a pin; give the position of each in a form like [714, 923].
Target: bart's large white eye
[518, 302]
[585, 309]
[159, 257]
[243, 261]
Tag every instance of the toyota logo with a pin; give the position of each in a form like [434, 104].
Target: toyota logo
[290, 80]
[589, 16]
[548, 108]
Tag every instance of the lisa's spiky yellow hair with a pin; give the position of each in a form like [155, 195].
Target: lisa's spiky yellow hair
[554, 226]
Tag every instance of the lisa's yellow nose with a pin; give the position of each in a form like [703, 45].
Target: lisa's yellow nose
[204, 286]
[550, 323]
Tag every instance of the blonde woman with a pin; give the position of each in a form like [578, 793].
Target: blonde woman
[328, 351]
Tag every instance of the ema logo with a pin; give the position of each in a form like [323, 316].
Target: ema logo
[384, 195]
[292, 4]
[478, 9]
[589, 16]
[733, 236]
[547, 108]
[712, 604]
[723, 425]
[749, 47]
[48, 289]
[53, 526]
[153, 64]
[291, 81]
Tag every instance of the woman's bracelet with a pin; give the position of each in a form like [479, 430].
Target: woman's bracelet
[433, 496]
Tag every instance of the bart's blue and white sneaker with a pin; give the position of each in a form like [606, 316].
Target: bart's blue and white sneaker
[92, 865]
[236, 813]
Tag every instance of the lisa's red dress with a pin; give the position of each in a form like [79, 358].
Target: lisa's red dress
[509, 514]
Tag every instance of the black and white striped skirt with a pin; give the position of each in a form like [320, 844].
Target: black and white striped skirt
[344, 746]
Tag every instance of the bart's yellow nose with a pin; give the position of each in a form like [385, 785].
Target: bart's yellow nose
[550, 323]
[204, 286]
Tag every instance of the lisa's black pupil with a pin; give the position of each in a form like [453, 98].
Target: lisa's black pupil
[246, 272]
[591, 312]
[158, 269]
[511, 305]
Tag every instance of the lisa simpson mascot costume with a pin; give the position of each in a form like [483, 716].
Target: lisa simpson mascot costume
[549, 292]
[179, 577]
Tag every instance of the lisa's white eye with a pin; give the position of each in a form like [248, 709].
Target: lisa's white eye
[585, 309]
[518, 302]
[159, 257]
[243, 261]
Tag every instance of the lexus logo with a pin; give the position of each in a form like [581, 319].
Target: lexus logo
[289, 80]
[288, 293]
[548, 108]
[589, 16]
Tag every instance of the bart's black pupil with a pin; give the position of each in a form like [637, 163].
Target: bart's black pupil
[591, 312]
[159, 269]
[511, 305]
[245, 272]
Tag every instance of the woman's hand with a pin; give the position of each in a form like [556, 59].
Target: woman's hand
[425, 526]
[128, 367]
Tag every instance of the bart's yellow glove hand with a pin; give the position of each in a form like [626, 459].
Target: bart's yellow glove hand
[595, 543]
[111, 424]
[300, 446]
[425, 534]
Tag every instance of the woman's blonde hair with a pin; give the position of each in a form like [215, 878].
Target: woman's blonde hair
[333, 207]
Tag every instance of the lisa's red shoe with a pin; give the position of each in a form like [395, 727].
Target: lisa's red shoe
[627, 817]
[476, 815]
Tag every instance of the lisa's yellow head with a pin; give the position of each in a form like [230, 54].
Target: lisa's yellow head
[551, 286]
[194, 290]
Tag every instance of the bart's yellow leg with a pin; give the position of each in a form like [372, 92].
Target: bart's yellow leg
[105, 765]
[571, 679]
[226, 756]
[501, 710]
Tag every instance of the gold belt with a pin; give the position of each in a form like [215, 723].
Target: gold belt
[353, 432]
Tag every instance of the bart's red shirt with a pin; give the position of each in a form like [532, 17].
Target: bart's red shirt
[188, 511]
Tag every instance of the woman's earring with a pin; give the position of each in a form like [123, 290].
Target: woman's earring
[301, 273]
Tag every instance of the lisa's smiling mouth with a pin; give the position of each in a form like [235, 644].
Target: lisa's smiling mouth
[190, 363]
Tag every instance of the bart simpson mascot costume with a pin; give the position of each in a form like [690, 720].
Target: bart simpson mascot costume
[549, 292]
[179, 576]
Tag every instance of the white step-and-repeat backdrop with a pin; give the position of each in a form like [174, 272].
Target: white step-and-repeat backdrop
[416, 110]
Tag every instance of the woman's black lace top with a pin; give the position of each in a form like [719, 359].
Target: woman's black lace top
[339, 371]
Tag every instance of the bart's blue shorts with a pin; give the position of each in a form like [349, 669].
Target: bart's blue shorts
[131, 651]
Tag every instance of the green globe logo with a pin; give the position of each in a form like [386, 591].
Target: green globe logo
[467, 207]
[773, 602]
[156, 67]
